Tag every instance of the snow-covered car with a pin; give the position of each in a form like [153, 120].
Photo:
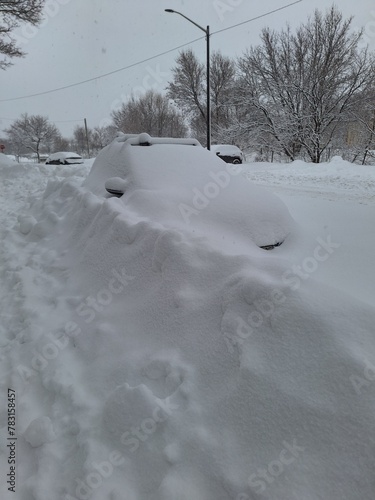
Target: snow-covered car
[183, 186]
[64, 158]
[228, 152]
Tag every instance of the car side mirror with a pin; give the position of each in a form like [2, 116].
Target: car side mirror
[116, 186]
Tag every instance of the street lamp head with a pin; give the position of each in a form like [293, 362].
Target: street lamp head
[169, 10]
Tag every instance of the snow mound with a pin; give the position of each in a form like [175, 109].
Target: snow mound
[336, 159]
[335, 180]
[5, 161]
[173, 370]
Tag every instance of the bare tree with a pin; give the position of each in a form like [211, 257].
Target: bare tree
[80, 139]
[13, 13]
[13, 148]
[101, 136]
[361, 129]
[304, 84]
[188, 90]
[33, 133]
[61, 144]
[151, 113]
[222, 88]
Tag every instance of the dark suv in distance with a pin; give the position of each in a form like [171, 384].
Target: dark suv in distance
[228, 152]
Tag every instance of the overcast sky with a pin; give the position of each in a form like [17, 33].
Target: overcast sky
[83, 39]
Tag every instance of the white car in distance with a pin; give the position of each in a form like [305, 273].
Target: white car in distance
[64, 158]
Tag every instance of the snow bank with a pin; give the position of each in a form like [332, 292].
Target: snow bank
[150, 365]
[336, 180]
[5, 161]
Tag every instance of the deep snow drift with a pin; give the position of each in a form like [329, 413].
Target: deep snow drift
[150, 365]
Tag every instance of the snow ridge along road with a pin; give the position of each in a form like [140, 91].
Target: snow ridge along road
[334, 181]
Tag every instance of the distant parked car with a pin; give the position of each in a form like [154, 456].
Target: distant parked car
[64, 158]
[228, 153]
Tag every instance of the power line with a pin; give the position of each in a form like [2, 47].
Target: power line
[68, 121]
[148, 58]
[54, 121]
[101, 76]
[258, 17]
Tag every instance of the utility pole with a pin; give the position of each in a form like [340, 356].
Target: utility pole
[87, 139]
[208, 89]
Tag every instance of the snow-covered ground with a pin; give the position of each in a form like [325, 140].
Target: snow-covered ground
[148, 365]
[337, 199]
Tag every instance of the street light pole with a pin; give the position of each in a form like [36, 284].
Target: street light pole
[87, 138]
[208, 90]
[208, 109]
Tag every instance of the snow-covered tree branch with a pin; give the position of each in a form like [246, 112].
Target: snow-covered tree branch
[303, 84]
[33, 133]
[13, 13]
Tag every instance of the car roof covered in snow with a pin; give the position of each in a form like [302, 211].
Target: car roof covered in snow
[225, 148]
[65, 155]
